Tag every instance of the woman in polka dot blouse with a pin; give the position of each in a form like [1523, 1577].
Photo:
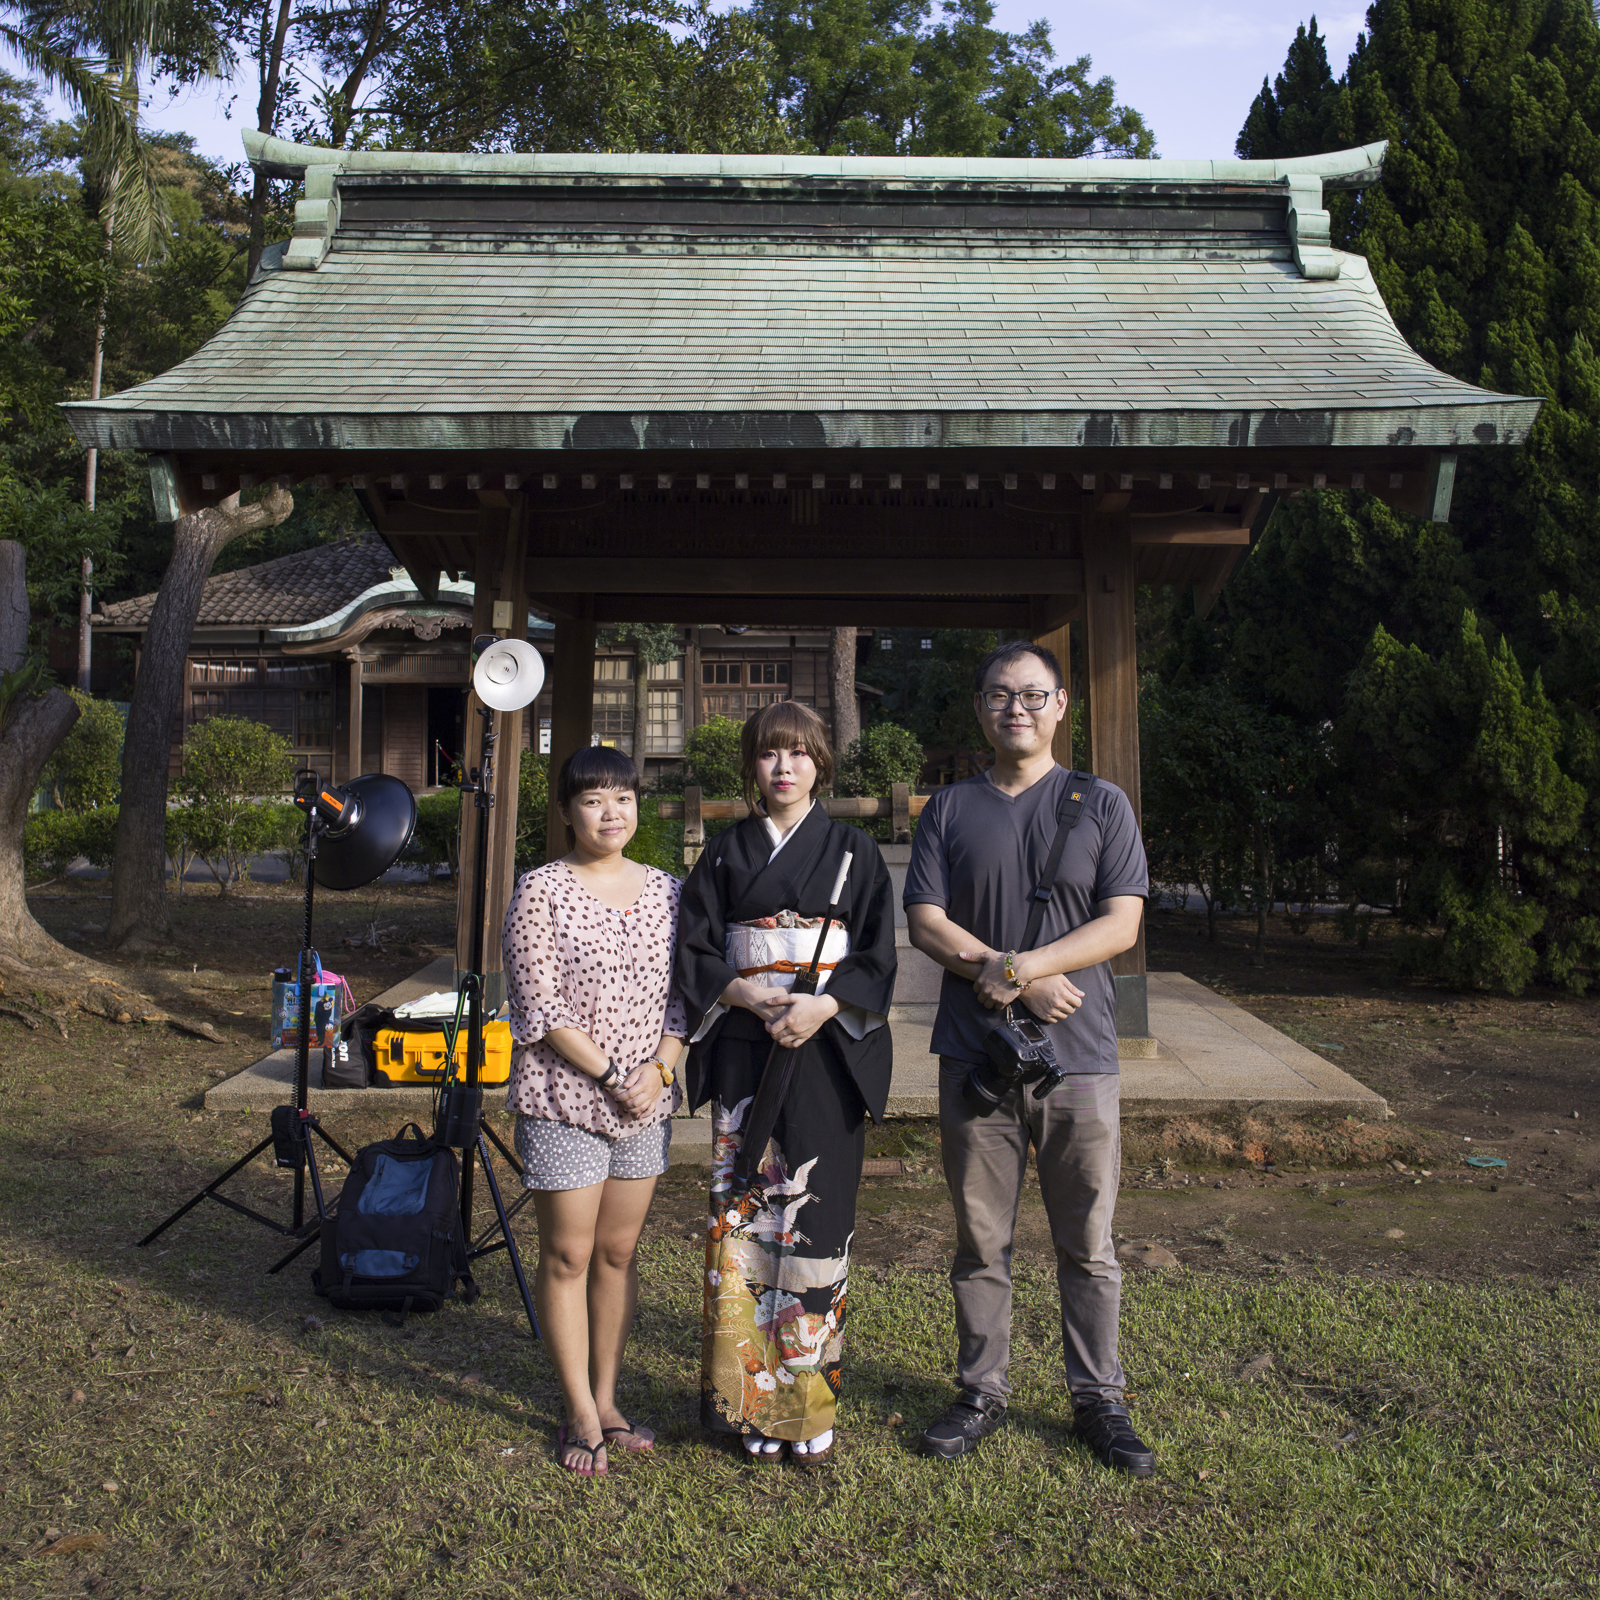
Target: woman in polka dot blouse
[598, 1028]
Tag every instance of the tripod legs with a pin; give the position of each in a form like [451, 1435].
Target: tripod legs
[209, 1193]
[301, 1126]
[506, 1242]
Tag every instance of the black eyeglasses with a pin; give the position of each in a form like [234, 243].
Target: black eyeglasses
[1030, 699]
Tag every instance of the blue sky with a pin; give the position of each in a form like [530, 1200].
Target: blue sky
[1191, 67]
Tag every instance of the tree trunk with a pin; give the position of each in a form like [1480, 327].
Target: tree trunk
[13, 605]
[1258, 957]
[34, 726]
[641, 705]
[139, 912]
[269, 67]
[846, 716]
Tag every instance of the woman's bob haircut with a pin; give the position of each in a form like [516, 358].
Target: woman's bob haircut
[594, 766]
[784, 725]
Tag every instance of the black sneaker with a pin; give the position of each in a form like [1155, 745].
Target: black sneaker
[973, 1416]
[1105, 1427]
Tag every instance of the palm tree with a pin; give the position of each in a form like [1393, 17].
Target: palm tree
[92, 52]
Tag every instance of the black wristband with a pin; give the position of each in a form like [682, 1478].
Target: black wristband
[612, 1073]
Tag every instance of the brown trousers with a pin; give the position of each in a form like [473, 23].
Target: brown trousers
[1077, 1132]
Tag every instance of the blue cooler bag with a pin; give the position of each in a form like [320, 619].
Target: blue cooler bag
[396, 1243]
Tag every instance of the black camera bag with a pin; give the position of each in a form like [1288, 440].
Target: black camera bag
[396, 1243]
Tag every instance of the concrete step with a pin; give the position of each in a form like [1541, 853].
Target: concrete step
[1215, 1057]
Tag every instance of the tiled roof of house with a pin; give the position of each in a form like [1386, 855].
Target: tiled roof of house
[293, 589]
[571, 302]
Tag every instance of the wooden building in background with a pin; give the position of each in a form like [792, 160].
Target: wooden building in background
[296, 642]
[800, 392]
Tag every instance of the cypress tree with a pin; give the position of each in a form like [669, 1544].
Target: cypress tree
[1458, 664]
[1290, 115]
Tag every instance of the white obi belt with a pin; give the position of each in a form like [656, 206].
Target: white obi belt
[775, 949]
[770, 952]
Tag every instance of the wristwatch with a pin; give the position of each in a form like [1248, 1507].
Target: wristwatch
[610, 1077]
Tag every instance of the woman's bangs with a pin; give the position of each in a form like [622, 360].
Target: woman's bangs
[596, 766]
[784, 725]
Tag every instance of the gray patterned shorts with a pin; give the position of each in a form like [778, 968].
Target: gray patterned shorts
[555, 1155]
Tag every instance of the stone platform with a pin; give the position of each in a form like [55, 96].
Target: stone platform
[1212, 1057]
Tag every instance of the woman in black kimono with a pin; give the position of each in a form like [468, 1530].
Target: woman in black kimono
[778, 1253]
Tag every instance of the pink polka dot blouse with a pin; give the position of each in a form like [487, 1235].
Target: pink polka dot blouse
[572, 961]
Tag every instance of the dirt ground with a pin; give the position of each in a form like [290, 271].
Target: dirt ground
[1464, 1076]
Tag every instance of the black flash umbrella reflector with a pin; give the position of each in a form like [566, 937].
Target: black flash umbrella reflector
[371, 843]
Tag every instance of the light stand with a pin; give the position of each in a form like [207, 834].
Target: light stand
[364, 825]
[292, 1126]
[459, 1122]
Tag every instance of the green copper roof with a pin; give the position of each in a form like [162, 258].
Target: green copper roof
[560, 302]
[281, 159]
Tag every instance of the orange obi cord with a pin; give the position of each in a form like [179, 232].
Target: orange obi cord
[787, 966]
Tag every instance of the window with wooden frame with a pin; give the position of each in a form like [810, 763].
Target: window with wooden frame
[664, 729]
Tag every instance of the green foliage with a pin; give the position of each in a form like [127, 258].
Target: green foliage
[53, 840]
[283, 829]
[180, 849]
[1218, 776]
[658, 841]
[229, 763]
[883, 756]
[53, 264]
[664, 75]
[57, 530]
[533, 810]
[712, 755]
[15, 682]
[86, 769]
[437, 840]
[1456, 665]
[1288, 116]
[928, 691]
[876, 77]
[655, 642]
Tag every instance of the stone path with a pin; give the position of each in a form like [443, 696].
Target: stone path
[1213, 1056]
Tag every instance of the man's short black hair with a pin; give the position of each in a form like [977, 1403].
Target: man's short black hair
[595, 766]
[1003, 655]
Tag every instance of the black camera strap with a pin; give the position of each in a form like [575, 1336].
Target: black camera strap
[1074, 796]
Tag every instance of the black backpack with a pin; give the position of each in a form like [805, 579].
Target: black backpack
[396, 1242]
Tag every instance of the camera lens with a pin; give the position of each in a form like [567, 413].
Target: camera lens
[984, 1089]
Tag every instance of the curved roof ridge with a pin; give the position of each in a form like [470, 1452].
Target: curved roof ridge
[1336, 168]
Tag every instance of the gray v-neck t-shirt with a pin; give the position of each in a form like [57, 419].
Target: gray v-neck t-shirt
[978, 855]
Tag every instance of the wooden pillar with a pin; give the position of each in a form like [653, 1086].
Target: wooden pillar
[571, 703]
[499, 575]
[1058, 641]
[1111, 650]
[354, 730]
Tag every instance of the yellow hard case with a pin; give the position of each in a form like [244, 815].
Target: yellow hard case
[401, 1056]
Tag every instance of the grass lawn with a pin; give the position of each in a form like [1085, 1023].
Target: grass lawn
[1404, 1439]
[1427, 1423]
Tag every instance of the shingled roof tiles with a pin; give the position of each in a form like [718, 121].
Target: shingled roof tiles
[469, 303]
[383, 331]
[293, 589]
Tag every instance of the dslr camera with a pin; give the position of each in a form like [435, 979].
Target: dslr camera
[1019, 1051]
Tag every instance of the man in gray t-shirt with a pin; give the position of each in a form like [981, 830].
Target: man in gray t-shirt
[980, 851]
[978, 855]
